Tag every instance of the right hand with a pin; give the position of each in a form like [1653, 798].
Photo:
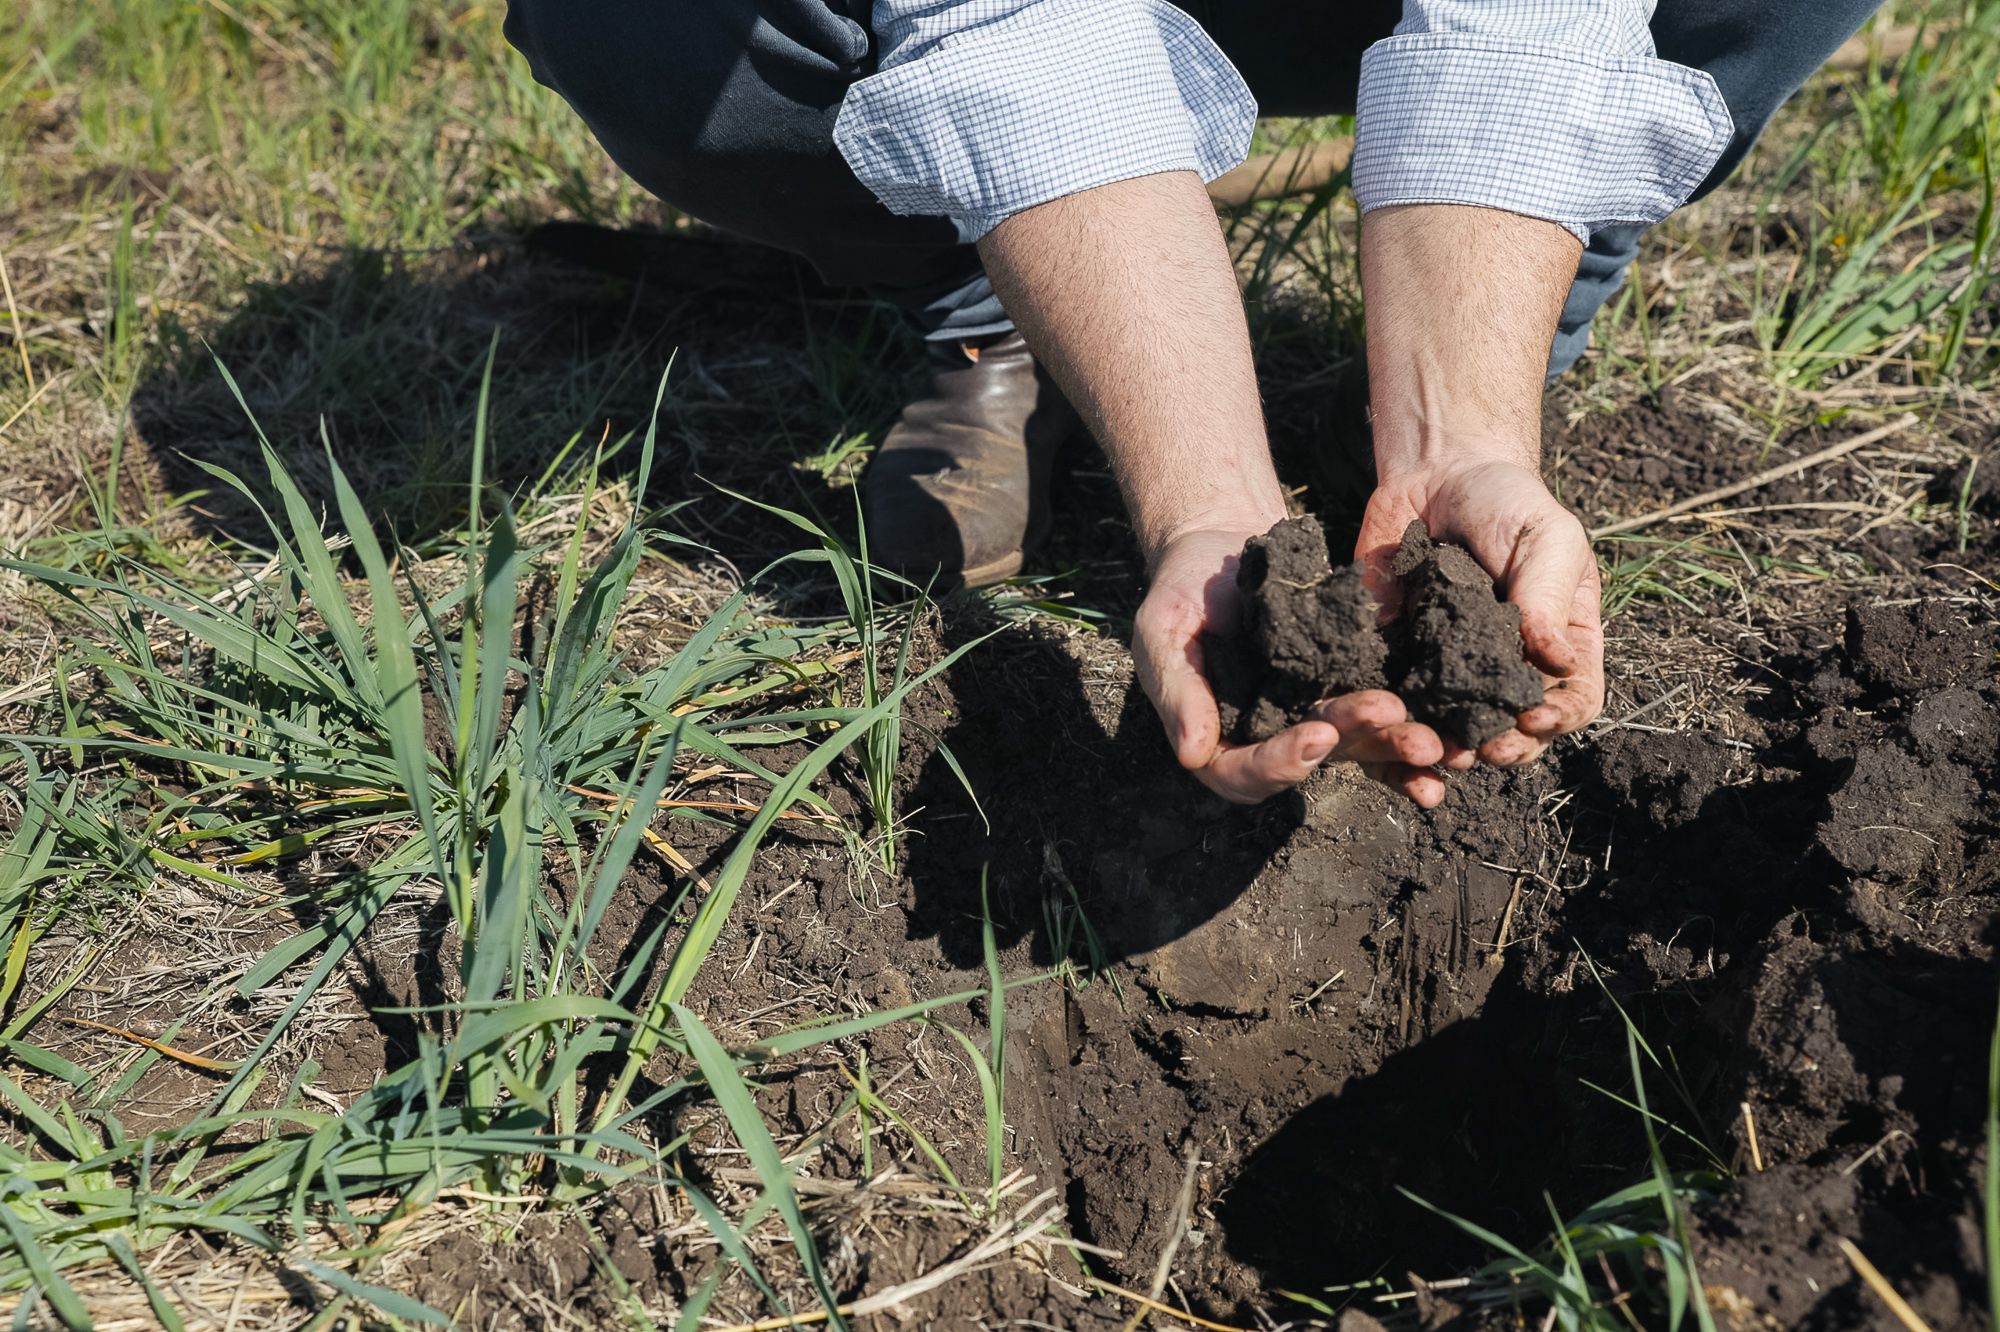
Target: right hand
[1541, 561]
[1194, 591]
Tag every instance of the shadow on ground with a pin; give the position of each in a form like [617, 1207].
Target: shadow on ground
[384, 354]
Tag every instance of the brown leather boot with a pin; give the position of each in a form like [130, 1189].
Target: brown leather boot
[959, 489]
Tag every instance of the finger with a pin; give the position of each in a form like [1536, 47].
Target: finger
[1421, 785]
[1410, 743]
[1382, 525]
[1247, 774]
[1551, 560]
[1573, 703]
[1374, 727]
[1366, 709]
[1567, 706]
[1171, 675]
[1511, 750]
[1457, 758]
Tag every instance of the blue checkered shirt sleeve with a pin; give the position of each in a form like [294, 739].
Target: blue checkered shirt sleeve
[981, 108]
[1557, 109]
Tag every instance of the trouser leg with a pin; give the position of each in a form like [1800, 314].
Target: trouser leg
[1599, 275]
[1759, 54]
[1758, 51]
[725, 109]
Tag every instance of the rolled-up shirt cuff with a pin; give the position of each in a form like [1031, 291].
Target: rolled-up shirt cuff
[1547, 132]
[1058, 97]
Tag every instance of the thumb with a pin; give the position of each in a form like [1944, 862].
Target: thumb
[1187, 709]
[1169, 666]
[1550, 560]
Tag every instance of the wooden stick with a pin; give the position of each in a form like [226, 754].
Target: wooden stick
[1763, 478]
[1878, 1283]
[1289, 171]
[1750, 1132]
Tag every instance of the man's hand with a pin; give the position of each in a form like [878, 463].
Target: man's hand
[1541, 562]
[1462, 304]
[1194, 590]
[1127, 294]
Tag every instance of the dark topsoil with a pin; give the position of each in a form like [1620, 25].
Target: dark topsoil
[1335, 997]
[1310, 631]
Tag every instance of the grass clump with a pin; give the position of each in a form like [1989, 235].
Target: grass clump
[481, 745]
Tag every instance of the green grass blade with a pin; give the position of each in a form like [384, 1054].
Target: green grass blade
[1670, 1200]
[989, 1098]
[637, 809]
[733, 1095]
[62, 1297]
[388, 1301]
[731, 1242]
[996, 1013]
[156, 1299]
[807, 1035]
[395, 670]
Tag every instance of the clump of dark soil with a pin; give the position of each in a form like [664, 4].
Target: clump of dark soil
[1457, 646]
[1310, 632]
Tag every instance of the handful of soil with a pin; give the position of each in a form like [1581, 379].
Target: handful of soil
[1310, 632]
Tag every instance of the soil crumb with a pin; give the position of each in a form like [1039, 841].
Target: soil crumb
[1309, 632]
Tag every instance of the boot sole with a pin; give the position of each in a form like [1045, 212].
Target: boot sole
[994, 571]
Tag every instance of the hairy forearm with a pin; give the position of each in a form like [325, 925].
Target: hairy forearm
[1462, 305]
[1127, 295]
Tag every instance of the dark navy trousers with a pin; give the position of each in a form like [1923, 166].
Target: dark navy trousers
[725, 109]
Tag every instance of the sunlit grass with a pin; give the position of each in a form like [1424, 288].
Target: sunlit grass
[260, 726]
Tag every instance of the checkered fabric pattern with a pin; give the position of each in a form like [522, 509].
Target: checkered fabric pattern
[1558, 109]
[983, 108]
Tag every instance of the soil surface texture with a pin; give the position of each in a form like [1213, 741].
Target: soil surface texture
[1777, 857]
[1310, 632]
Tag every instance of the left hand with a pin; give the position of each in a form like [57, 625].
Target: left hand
[1540, 560]
[1194, 590]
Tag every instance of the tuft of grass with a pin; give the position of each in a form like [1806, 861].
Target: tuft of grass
[882, 742]
[1681, 571]
[1915, 128]
[278, 715]
[1642, 1229]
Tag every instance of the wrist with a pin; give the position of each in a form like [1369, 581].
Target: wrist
[1238, 518]
[1462, 304]
[1405, 449]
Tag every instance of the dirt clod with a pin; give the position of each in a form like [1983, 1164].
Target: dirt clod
[1458, 646]
[1310, 632]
